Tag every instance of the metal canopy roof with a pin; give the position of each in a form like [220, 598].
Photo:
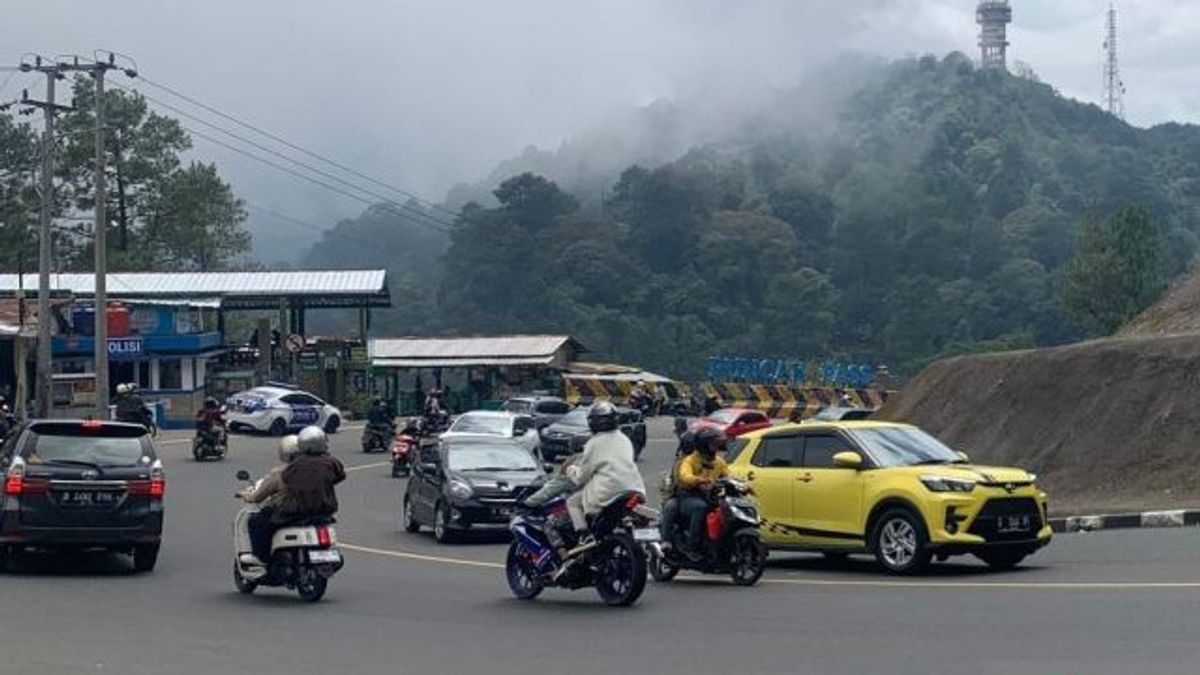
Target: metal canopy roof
[238, 290]
[469, 351]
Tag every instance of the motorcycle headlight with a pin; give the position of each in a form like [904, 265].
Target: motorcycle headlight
[947, 484]
[460, 488]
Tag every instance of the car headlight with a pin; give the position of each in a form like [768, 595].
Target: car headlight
[947, 484]
[1032, 477]
[460, 488]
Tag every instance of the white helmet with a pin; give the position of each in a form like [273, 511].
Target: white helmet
[289, 448]
[122, 388]
[313, 441]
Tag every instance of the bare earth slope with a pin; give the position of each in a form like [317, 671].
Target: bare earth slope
[1110, 424]
[1177, 312]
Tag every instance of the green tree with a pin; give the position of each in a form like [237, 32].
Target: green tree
[1117, 271]
[143, 151]
[194, 221]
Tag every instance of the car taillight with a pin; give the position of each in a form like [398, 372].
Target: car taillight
[16, 484]
[323, 539]
[91, 425]
[154, 488]
[634, 501]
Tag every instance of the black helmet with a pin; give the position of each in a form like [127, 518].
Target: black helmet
[377, 400]
[709, 441]
[602, 416]
[681, 426]
[211, 402]
[687, 444]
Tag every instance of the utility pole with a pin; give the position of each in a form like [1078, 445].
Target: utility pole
[49, 108]
[97, 69]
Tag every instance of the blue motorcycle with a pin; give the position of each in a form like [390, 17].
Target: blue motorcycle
[615, 566]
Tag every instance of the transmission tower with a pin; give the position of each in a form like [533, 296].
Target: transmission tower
[1114, 88]
[993, 17]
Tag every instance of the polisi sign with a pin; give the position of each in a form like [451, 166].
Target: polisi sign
[125, 348]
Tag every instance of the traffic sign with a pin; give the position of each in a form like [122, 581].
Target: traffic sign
[294, 343]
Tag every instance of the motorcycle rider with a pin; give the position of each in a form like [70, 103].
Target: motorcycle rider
[210, 422]
[130, 406]
[668, 521]
[379, 420]
[262, 498]
[435, 410]
[307, 490]
[605, 469]
[697, 473]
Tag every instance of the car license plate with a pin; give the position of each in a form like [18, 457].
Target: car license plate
[645, 534]
[87, 498]
[1008, 524]
[330, 556]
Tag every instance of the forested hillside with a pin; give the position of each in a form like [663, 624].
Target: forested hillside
[932, 210]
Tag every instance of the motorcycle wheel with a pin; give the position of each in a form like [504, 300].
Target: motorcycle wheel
[661, 569]
[395, 470]
[197, 453]
[244, 585]
[747, 560]
[622, 574]
[523, 580]
[310, 585]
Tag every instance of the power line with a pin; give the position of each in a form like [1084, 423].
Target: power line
[302, 176]
[298, 148]
[274, 153]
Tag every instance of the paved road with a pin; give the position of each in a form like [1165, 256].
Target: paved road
[1114, 602]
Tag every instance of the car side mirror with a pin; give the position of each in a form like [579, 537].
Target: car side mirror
[548, 467]
[848, 460]
[243, 475]
[963, 456]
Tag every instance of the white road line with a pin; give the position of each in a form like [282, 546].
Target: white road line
[364, 467]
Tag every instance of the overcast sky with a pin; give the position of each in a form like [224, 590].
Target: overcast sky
[427, 94]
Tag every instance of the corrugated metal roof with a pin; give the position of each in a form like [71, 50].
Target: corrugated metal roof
[462, 363]
[223, 284]
[488, 348]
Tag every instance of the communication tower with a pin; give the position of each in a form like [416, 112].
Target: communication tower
[993, 17]
[1114, 88]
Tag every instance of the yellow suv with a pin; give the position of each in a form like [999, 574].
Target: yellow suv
[887, 489]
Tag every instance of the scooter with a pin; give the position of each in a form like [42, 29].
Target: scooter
[615, 566]
[732, 543]
[404, 446]
[304, 556]
[375, 438]
[211, 444]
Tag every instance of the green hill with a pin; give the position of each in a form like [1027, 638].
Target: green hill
[891, 213]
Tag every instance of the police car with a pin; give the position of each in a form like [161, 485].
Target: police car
[277, 409]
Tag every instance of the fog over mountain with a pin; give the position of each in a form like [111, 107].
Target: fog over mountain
[427, 95]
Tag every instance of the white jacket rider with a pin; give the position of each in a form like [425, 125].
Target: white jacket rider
[604, 470]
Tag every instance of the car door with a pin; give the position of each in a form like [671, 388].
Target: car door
[828, 499]
[773, 470]
[426, 483]
[301, 411]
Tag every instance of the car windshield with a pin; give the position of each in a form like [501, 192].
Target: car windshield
[575, 418]
[490, 458]
[482, 424]
[723, 416]
[518, 406]
[91, 451]
[905, 446]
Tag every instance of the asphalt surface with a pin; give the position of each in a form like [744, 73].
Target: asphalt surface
[1110, 602]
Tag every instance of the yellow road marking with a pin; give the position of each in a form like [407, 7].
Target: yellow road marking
[839, 583]
[419, 556]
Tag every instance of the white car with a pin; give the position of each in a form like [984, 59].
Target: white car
[496, 424]
[278, 410]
